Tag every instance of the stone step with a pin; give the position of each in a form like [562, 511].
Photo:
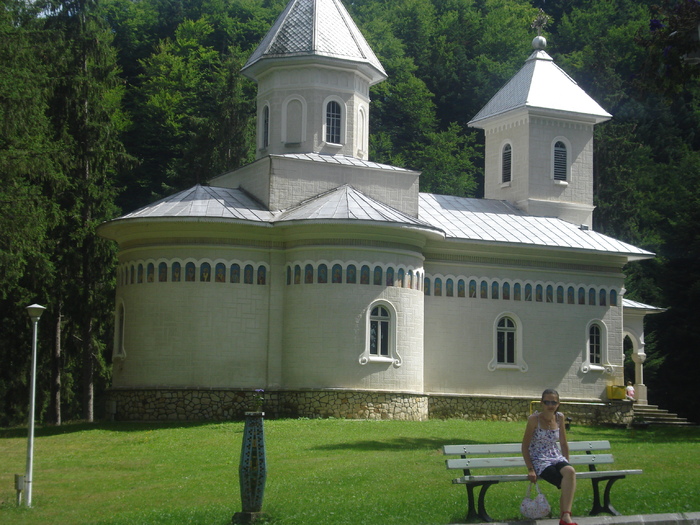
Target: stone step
[654, 415]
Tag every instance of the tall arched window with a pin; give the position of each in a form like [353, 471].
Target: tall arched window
[505, 341]
[506, 170]
[594, 345]
[560, 161]
[266, 127]
[381, 335]
[333, 116]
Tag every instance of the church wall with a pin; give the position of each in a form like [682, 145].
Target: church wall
[460, 334]
[326, 324]
[180, 334]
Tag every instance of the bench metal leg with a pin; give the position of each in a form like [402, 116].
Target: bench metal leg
[606, 506]
[472, 513]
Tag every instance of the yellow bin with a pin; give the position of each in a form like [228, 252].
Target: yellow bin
[616, 392]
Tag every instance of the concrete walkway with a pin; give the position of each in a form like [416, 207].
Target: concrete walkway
[683, 518]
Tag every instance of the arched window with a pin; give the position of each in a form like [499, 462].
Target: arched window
[333, 116]
[379, 331]
[570, 295]
[400, 276]
[517, 292]
[560, 161]
[266, 127]
[220, 273]
[297, 274]
[262, 274]
[438, 287]
[189, 272]
[602, 296]
[538, 293]
[461, 289]
[484, 294]
[289, 275]
[381, 335]
[176, 272]
[205, 272]
[351, 274]
[494, 290]
[560, 294]
[140, 274]
[390, 277]
[162, 272]
[528, 292]
[613, 298]
[150, 273]
[550, 293]
[308, 274]
[449, 288]
[594, 348]
[472, 289]
[595, 356]
[337, 274]
[506, 173]
[591, 297]
[364, 274]
[322, 274]
[507, 344]
[505, 341]
[581, 295]
[409, 279]
[378, 275]
[426, 286]
[235, 273]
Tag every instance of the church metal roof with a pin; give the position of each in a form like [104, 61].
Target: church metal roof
[541, 84]
[458, 218]
[339, 159]
[321, 28]
[494, 221]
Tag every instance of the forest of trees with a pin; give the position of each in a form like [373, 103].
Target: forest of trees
[107, 105]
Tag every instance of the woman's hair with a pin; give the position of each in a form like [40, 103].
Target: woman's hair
[550, 391]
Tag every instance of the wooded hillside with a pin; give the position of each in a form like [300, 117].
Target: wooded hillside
[107, 105]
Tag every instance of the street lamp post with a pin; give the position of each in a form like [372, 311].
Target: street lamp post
[34, 312]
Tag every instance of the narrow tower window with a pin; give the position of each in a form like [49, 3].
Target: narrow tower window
[266, 127]
[560, 161]
[506, 163]
[333, 122]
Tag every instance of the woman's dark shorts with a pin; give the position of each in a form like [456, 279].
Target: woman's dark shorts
[552, 474]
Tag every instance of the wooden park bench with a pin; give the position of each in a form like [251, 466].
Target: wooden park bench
[497, 456]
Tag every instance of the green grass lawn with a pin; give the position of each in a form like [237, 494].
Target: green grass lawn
[319, 472]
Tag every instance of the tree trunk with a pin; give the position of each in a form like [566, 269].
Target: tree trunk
[57, 371]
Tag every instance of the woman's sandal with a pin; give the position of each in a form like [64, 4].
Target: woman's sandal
[562, 522]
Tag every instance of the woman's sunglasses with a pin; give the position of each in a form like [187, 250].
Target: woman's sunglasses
[550, 403]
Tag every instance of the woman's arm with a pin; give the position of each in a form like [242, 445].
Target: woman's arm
[525, 449]
[562, 437]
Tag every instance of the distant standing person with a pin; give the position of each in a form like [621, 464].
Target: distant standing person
[629, 391]
[542, 456]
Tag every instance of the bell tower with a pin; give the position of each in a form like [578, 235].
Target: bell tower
[539, 141]
[313, 69]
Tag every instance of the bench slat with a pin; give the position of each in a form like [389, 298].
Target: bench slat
[523, 477]
[580, 459]
[514, 448]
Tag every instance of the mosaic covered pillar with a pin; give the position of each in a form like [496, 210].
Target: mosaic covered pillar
[252, 469]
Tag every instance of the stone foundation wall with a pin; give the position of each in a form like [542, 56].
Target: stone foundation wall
[217, 405]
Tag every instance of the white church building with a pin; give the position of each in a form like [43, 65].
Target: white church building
[332, 283]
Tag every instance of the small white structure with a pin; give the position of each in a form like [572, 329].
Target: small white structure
[330, 281]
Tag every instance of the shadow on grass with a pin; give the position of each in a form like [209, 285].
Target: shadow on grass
[398, 444]
[111, 426]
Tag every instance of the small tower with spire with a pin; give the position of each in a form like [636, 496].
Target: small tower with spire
[539, 140]
[313, 69]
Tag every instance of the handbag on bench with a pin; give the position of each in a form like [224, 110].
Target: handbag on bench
[534, 508]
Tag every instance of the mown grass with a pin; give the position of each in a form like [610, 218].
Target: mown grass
[319, 472]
